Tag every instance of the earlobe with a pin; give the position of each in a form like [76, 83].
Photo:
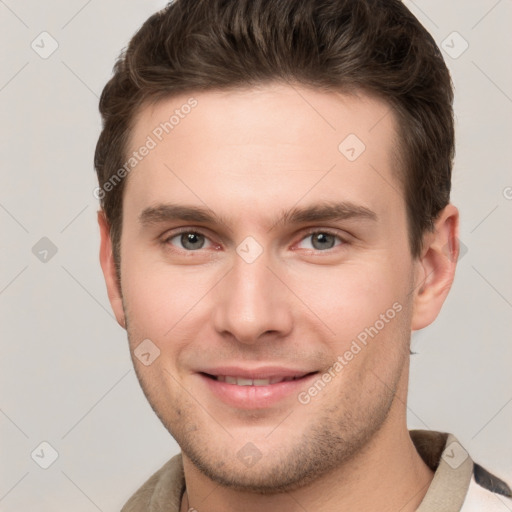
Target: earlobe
[436, 268]
[109, 270]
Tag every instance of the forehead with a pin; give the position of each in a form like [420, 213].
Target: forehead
[250, 148]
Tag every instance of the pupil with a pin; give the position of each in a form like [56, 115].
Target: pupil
[191, 241]
[323, 241]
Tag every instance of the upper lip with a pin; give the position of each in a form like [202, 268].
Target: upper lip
[262, 372]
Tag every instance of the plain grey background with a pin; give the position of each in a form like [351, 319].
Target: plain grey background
[66, 375]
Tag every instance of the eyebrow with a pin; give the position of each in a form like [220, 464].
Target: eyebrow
[168, 212]
[329, 211]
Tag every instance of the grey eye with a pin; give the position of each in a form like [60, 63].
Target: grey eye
[192, 241]
[320, 240]
[323, 241]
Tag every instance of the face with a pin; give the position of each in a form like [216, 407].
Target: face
[265, 261]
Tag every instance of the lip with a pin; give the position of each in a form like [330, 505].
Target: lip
[255, 397]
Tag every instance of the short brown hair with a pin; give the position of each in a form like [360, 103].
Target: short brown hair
[376, 46]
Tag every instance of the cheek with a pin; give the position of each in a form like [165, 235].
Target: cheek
[148, 302]
[352, 296]
[161, 299]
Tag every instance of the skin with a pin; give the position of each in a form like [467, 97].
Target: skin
[249, 156]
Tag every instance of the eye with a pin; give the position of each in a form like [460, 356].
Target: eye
[188, 240]
[320, 241]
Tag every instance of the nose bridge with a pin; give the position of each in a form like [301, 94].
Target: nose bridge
[251, 301]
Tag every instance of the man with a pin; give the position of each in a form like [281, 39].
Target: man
[274, 180]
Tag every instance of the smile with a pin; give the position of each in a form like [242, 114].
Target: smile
[242, 381]
[260, 390]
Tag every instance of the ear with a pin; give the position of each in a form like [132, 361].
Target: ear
[109, 270]
[435, 269]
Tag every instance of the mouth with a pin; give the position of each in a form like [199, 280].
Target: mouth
[244, 381]
[241, 389]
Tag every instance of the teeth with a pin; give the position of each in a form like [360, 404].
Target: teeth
[261, 382]
[241, 381]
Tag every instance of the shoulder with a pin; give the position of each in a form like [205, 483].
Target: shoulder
[487, 493]
[162, 491]
[459, 484]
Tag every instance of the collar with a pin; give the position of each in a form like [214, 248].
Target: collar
[452, 466]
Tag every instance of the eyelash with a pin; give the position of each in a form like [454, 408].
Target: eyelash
[343, 241]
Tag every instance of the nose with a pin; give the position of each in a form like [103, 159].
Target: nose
[252, 303]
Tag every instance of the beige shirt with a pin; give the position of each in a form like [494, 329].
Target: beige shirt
[459, 484]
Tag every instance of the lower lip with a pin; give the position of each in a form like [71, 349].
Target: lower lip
[255, 397]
